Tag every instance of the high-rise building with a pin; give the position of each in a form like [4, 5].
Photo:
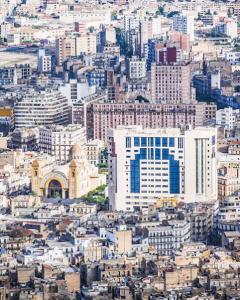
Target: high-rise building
[44, 62]
[145, 33]
[65, 48]
[145, 164]
[171, 83]
[184, 24]
[41, 108]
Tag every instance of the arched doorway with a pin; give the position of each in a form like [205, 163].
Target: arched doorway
[54, 189]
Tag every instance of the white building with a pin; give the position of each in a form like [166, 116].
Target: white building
[231, 28]
[58, 140]
[94, 17]
[76, 90]
[184, 24]
[108, 35]
[232, 56]
[86, 43]
[227, 117]
[145, 164]
[41, 108]
[136, 68]
[44, 62]
[229, 210]
[228, 27]
[94, 151]
[168, 238]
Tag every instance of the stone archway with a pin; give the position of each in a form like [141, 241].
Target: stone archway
[55, 189]
[55, 185]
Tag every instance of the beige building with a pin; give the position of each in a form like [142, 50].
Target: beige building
[86, 43]
[72, 279]
[65, 48]
[123, 241]
[228, 180]
[180, 277]
[71, 180]
[75, 45]
[171, 84]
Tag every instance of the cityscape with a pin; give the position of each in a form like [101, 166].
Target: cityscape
[119, 149]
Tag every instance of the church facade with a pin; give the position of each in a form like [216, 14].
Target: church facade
[68, 181]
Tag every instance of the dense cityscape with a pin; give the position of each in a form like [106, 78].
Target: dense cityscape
[119, 149]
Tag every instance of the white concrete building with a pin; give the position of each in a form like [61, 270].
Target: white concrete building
[86, 43]
[41, 108]
[59, 140]
[76, 90]
[145, 164]
[94, 150]
[136, 68]
[231, 28]
[227, 117]
[168, 238]
[184, 24]
[44, 62]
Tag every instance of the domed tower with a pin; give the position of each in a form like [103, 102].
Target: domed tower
[73, 179]
[35, 177]
[78, 152]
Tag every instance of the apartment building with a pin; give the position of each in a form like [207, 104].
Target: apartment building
[136, 68]
[38, 108]
[58, 140]
[171, 83]
[44, 62]
[105, 116]
[184, 24]
[167, 238]
[75, 45]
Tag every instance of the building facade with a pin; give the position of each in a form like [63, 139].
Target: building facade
[145, 164]
[167, 238]
[170, 84]
[104, 116]
[68, 181]
[184, 24]
[58, 140]
[41, 108]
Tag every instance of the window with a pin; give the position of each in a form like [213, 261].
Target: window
[136, 141]
[128, 142]
[157, 154]
[171, 142]
[150, 142]
[143, 142]
[164, 142]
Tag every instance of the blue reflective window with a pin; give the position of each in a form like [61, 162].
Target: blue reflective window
[150, 153]
[128, 142]
[143, 153]
[136, 141]
[165, 154]
[135, 175]
[174, 177]
[143, 142]
[157, 154]
[157, 141]
[171, 142]
[150, 142]
[164, 142]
